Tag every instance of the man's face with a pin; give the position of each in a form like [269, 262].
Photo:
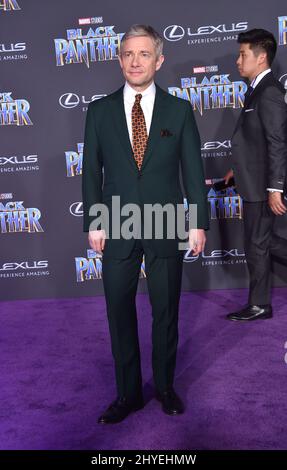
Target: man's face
[139, 62]
[249, 65]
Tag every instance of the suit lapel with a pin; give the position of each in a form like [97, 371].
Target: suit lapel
[121, 128]
[120, 124]
[251, 97]
[160, 104]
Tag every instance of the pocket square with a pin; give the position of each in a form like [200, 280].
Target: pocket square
[248, 110]
[165, 133]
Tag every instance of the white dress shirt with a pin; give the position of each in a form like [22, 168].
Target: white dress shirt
[259, 77]
[147, 103]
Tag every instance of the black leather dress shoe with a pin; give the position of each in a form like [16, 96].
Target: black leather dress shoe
[251, 312]
[171, 403]
[119, 410]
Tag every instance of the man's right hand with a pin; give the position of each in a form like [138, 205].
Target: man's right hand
[228, 176]
[276, 203]
[97, 240]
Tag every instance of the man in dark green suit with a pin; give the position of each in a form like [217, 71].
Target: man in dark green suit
[136, 140]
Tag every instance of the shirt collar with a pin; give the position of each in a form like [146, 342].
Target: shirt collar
[259, 77]
[130, 93]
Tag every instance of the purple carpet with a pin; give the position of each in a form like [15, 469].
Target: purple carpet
[57, 376]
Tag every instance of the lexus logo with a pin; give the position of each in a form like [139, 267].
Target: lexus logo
[20, 46]
[69, 100]
[174, 32]
[188, 258]
[214, 254]
[76, 209]
[283, 80]
[24, 265]
[226, 144]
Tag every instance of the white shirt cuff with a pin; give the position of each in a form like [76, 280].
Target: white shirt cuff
[272, 190]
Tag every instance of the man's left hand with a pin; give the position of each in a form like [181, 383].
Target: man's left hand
[276, 203]
[197, 240]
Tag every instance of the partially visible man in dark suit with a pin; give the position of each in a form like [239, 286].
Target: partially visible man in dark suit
[141, 136]
[259, 166]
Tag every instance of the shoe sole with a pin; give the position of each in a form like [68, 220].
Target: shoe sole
[170, 413]
[258, 317]
[133, 410]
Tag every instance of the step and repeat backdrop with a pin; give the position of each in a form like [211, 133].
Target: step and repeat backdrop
[56, 57]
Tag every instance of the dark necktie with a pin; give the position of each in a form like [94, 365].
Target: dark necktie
[248, 93]
[139, 131]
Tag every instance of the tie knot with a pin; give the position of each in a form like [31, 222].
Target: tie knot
[249, 90]
[138, 98]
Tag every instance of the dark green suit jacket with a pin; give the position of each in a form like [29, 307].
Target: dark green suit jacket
[173, 143]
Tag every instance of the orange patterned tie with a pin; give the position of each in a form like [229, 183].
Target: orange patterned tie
[139, 131]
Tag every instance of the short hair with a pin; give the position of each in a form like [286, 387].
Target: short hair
[145, 30]
[260, 40]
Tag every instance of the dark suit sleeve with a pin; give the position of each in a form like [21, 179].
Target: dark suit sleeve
[192, 169]
[273, 115]
[92, 177]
